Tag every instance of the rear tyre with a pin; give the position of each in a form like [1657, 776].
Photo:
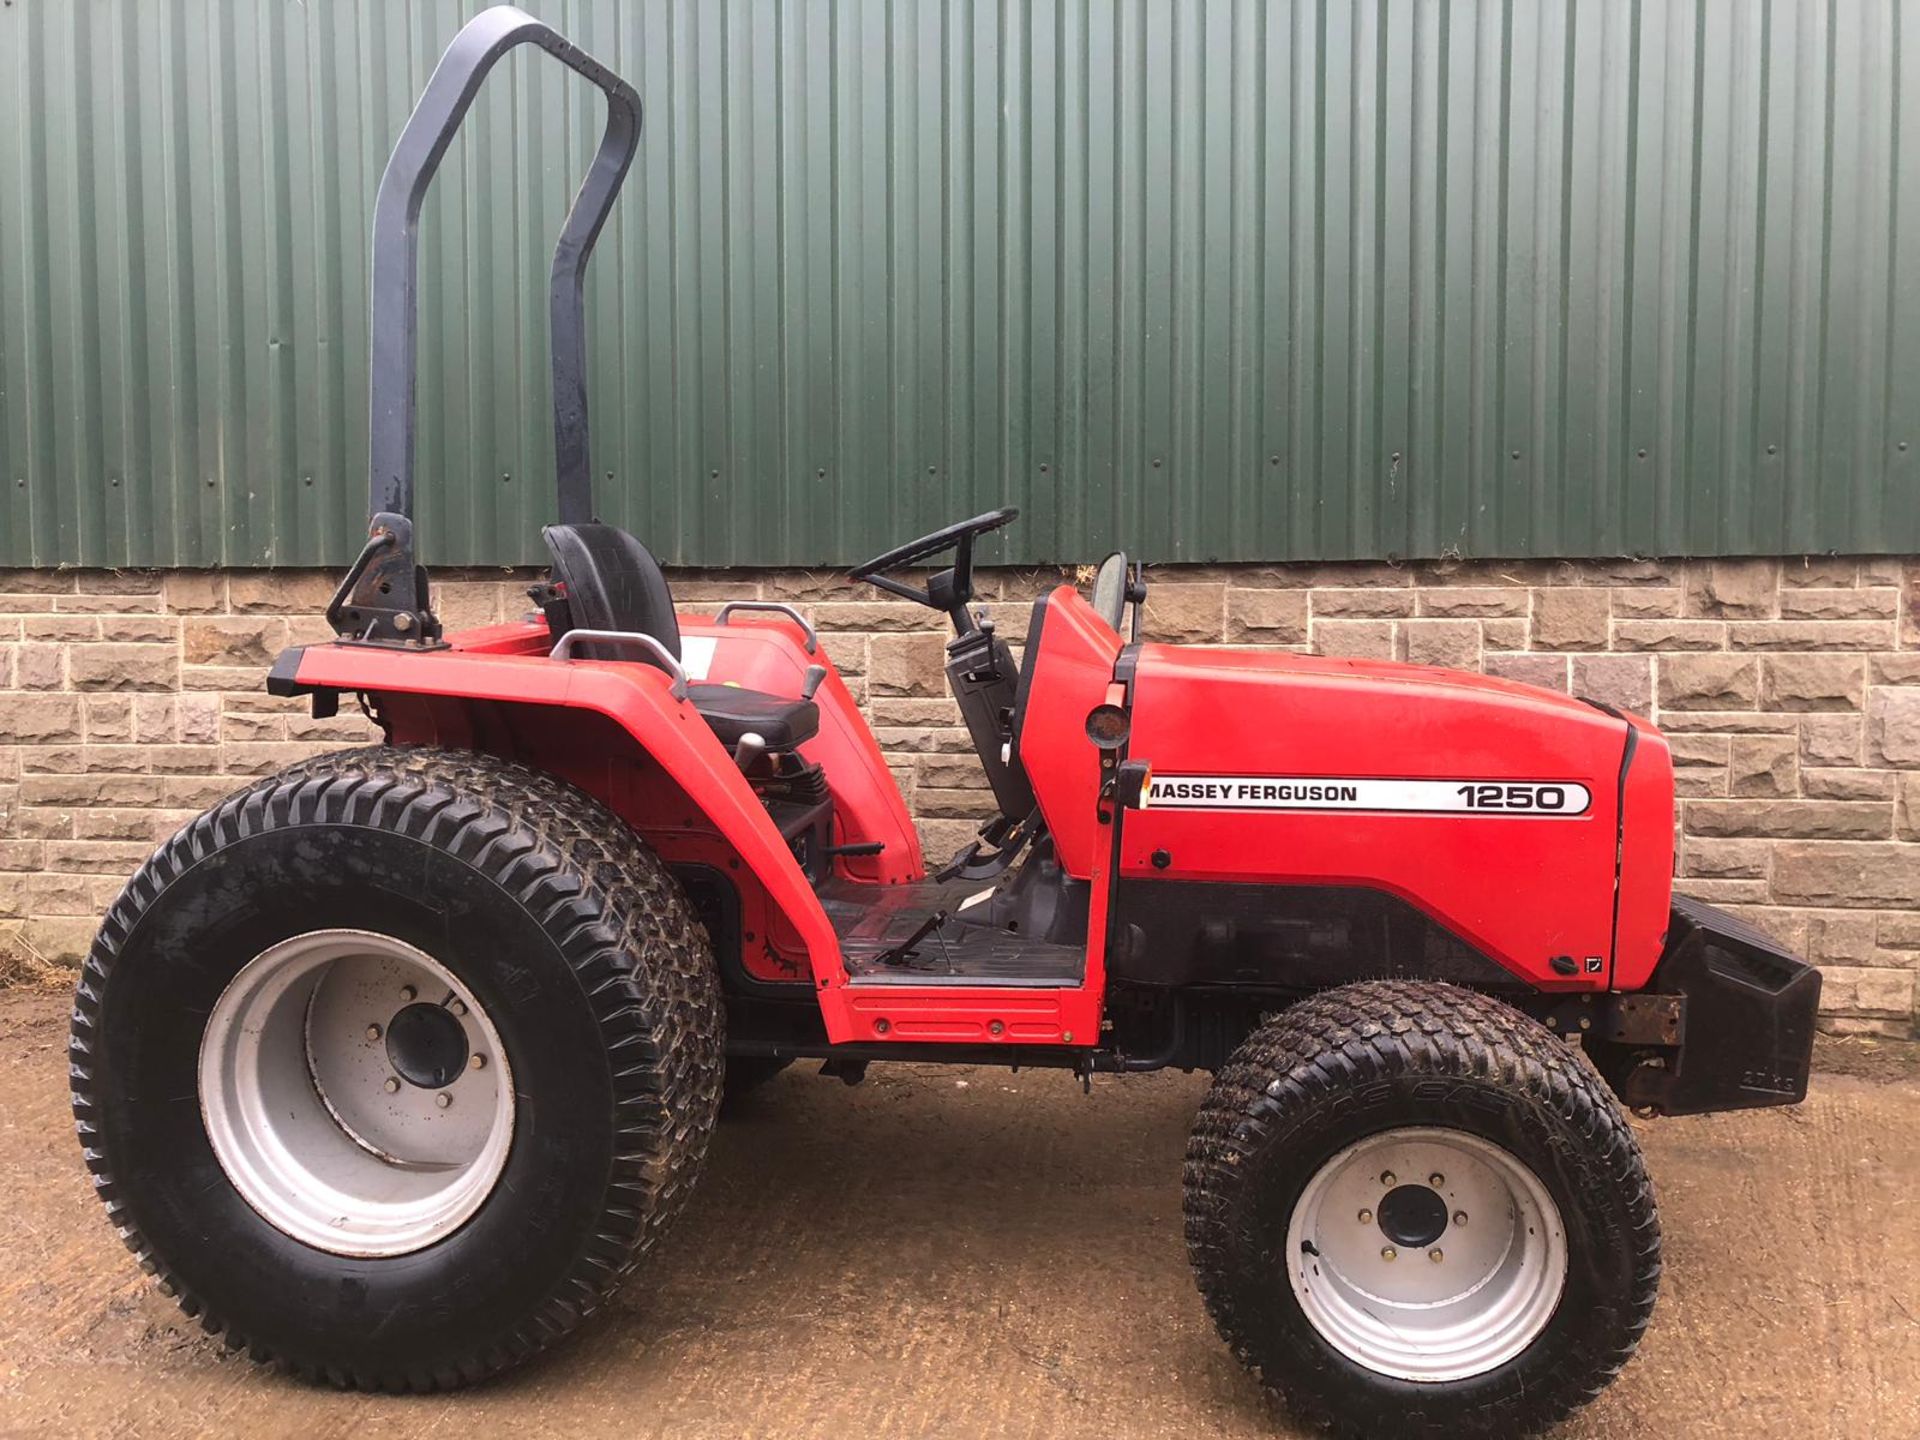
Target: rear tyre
[1411, 1210]
[393, 1065]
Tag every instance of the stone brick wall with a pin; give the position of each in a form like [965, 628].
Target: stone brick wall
[1790, 691]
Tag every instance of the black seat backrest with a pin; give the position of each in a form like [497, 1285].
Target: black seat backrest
[613, 583]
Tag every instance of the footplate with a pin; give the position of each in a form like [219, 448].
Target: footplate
[1746, 1036]
[921, 934]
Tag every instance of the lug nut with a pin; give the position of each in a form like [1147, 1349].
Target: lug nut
[1435, 1256]
[478, 1062]
[1366, 1217]
[407, 992]
[391, 1086]
[373, 1032]
[1459, 1217]
[457, 1007]
[1388, 1178]
[1436, 1180]
[443, 1100]
[1388, 1253]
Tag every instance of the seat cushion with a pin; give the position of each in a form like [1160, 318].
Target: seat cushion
[732, 712]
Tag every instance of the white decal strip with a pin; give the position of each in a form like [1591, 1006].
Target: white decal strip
[1539, 799]
[696, 655]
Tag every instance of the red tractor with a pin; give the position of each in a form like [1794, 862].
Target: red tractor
[392, 1065]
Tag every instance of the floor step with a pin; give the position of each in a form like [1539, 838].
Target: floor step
[885, 939]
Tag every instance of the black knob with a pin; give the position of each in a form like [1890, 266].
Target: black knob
[1161, 859]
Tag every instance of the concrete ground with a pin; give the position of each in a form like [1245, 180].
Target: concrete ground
[951, 1252]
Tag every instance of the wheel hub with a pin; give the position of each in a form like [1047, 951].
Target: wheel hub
[353, 1115]
[426, 1045]
[1413, 1215]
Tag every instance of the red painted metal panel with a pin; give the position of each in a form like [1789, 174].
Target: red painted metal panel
[1077, 650]
[637, 698]
[1646, 859]
[1521, 888]
[769, 656]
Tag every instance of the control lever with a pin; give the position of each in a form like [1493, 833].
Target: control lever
[1010, 838]
[903, 952]
[861, 847]
[816, 676]
[751, 747]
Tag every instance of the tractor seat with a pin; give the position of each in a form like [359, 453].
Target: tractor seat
[614, 583]
[731, 712]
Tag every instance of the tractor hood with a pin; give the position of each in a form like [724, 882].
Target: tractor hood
[1509, 814]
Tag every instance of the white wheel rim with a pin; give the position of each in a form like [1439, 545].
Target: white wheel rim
[355, 1093]
[1391, 1293]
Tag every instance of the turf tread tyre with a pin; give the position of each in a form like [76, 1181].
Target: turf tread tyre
[615, 914]
[1367, 1040]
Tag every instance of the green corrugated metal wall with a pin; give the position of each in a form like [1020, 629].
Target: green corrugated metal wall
[1215, 280]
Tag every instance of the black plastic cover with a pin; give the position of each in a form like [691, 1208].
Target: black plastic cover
[984, 681]
[1750, 1008]
[1175, 934]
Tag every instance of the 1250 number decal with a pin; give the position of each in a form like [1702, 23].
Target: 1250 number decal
[1550, 798]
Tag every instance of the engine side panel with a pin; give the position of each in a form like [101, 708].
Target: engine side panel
[1492, 807]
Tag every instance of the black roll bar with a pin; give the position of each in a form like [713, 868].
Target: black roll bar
[385, 594]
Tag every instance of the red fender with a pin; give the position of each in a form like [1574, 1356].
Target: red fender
[639, 699]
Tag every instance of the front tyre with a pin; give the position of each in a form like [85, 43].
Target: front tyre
[1411, 1210]
[392, 1065]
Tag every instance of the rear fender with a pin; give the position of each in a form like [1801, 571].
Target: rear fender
[613, 729]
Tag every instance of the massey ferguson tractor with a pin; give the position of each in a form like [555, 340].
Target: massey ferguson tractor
[393, 1065]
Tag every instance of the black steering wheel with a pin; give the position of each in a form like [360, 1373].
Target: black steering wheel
[933, 544]
[951, 589]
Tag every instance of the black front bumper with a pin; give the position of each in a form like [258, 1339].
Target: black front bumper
[1744, 1023]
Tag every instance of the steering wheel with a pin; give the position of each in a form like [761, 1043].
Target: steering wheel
[950, 590]
[933, 544]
